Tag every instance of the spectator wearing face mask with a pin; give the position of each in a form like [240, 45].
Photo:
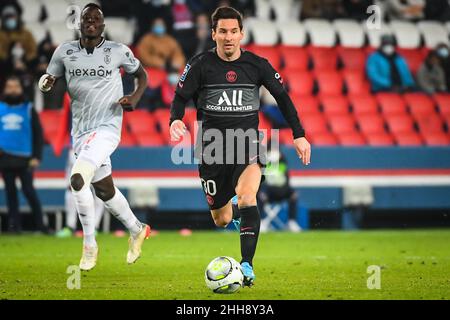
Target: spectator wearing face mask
[157, 49]
[443, 54]
[17, 45]
[387, 70]
[21, 143]
[431, 76]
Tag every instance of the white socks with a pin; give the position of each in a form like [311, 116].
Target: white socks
[119, 207]
[84, 203]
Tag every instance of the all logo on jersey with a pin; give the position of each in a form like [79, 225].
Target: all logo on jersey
[236, 98]
[231, 76]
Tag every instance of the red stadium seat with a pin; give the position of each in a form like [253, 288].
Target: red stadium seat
[314, 124]
[323, 58]
[150, 140]
[305, 104]
[363, 104]
[162, 117]
[294, 58]
[330, 82]
[408, 139]
[270, 53]
[370, 124]
[443, 102]
[334, 105]
[285, 136]
[419, 104]
[402, 123]
[323, 139]
[391, 103]
[414, 58]
[342, 124]
[356, 82]
[190, 117]
[299, 82]
[379, 139]
[351, 139]
[436, 139]
[140, 121]
[352, 58]
[430, 124]
[155, 77]
[50, 122]
[127, 139]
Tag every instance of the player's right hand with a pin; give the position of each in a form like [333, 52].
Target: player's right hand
[177, 130]
[46, 82]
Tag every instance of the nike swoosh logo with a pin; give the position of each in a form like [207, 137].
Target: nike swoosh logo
[253, 158]
[247, 228]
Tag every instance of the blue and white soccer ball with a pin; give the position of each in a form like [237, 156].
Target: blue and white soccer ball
[224, 275]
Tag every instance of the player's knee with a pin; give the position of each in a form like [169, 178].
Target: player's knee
[221, 222]
[81, 175]
[76, 182]
[104, 194]
[246, 199]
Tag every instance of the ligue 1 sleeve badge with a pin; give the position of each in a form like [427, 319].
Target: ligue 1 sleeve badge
[231, 76]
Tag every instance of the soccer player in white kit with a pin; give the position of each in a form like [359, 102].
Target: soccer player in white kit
[92, 70]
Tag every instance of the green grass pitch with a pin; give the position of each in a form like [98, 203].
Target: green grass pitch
[414, 264]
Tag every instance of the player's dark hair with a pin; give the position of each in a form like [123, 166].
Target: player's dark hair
[225, 13]
[12, 77]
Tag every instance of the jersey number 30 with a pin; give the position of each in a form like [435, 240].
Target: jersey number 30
[209, 186]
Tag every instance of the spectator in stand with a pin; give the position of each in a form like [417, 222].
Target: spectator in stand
[168, 88]
[203, 40]
[183, 26]
[326, 9]
[17, 48]
[387, 70]
[21, 144]
[157, 49]
[146, 11]
[406, 9]
[437, 10]
[443, 53]
[431, 76]
[357, 9]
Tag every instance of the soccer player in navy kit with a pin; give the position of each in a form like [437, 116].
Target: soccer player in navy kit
[224, 85]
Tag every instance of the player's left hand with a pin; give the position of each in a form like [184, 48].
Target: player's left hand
[303, 149]
[34, 163]
[128, 103]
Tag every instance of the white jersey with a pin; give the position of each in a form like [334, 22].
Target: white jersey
[94, 83]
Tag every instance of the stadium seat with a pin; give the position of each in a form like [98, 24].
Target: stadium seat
[322, 139]
[264, 32]
[379, 139]
[321, 32]
[443, 102]
[294, 58]
[341, 124]
[119, 29]
[350, 33]
[370, 124]
[299, 82]
[406, 33]
[150, 140]
[56, 10]
[285, 136]
[419, 104]
[190, 118]
[50, 121]
[314, 124]
[400, 123]
[262, 9]
[374, 34]
[351, 139]
[127, 139]
[356, 82]
[414, 58]
[155, 77]
[286, 10]
[162, 117]
[431, 123]
[436, 139]
[292, 33]
[38, 30]
[408, 139]
[141, 122]
[447, 123]
[334, 105]
[391, 103]
[31, 11]
[352, 58]
[270, 53]
[306, 104]
[330, 82]
[323, 58]
[433, 33]
[363, 104]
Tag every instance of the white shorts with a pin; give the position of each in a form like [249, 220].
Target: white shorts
[96, 147]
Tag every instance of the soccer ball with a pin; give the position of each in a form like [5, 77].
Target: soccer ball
[224, 275]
